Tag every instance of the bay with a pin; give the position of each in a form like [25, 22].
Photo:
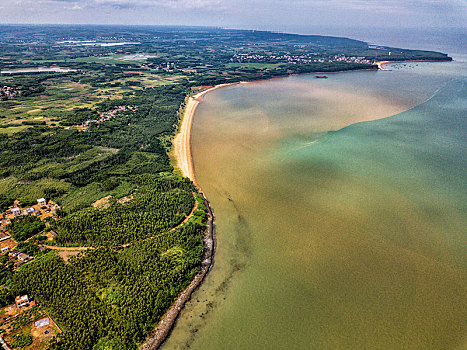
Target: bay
[340, 209]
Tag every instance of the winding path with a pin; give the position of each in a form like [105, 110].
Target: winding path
[75, 249]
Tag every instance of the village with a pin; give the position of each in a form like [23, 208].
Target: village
[297, 59]
[8, 92]
[43, 210]
[24, 324]
[104, 116]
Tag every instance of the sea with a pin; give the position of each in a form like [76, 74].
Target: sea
[340, 208]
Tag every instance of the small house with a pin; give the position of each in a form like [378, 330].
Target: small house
[14, 253]
[22, 301]
[23, 257]
[4, 236]
[42, 322]
[41, 202]
[16, 211]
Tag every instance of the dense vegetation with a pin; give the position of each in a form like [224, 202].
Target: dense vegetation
[25, 227]
[95, 140]
[21, 341]
[111, 294]
[154, 210]
[121, 294]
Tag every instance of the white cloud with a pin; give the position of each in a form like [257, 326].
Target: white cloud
[134, 4]
[376, 5]
[76, 7]
[241, 13]
[379, 6]
[126, 4]
[199, 4]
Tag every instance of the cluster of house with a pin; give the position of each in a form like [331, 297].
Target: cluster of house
[22, 303]
[296, 59]
[104, 116]
[18, 258]
[351, 59]
[9, 92]
[41, 327]
[42, 209]
[251, 58]
[164, 67]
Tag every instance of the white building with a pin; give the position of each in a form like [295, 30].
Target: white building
[21, 301]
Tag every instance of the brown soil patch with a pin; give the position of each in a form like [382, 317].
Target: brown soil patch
[66, 254]
[102, 203]
[10, 243]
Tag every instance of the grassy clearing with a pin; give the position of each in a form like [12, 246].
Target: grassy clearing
[31, 190]
[80, 162]
[111, 295]
[12, 129]
[114, 59]
[85, 196]
[63, 95]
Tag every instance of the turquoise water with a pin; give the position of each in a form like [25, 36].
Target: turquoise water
[340, 209]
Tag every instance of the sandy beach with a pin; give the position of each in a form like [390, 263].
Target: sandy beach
[381, 64]
[182, 141]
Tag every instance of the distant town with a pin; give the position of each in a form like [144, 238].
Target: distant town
[298, 59]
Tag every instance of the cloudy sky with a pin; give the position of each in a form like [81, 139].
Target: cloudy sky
[280, 15]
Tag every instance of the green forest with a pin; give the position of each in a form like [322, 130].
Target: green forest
[116, 293]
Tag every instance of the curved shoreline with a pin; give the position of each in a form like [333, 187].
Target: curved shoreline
[381, 64]
[184, 163]
[182, 140]
[181, 153]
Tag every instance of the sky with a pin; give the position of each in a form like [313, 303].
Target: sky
[276, 15]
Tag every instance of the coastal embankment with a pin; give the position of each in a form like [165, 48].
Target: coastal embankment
[184, 163]
[164, 327]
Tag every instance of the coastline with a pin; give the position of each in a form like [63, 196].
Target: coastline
[166, 324]
[184, 163]
[381, 64]
[182, 140]
[181, 154]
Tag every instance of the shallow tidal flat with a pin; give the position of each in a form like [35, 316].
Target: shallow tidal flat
[331, 233]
